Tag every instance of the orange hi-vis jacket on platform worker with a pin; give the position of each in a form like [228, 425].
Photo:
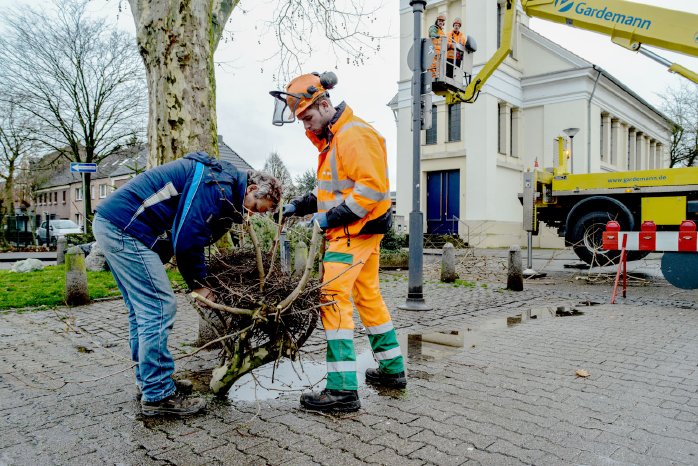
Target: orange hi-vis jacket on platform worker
[352, 177]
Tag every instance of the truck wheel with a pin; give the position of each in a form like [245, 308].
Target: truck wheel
[586, 238]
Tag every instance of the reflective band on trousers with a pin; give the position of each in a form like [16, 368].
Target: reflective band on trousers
[339, 334]
[341, 366]
[389, 354]
[378, 329]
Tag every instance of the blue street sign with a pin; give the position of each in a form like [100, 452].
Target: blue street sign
[83, 167]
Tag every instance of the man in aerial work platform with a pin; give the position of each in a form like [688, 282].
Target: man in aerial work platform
[456, 47]
[352, 204]
[436, 32]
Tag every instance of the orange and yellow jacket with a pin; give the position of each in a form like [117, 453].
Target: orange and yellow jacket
[455, 38]
[352, 178]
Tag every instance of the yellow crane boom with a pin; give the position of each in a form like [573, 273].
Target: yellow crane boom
[628, 24]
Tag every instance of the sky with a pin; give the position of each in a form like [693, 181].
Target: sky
[244, 76]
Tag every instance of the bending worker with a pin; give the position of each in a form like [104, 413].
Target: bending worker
[352, 204]
[175, 209]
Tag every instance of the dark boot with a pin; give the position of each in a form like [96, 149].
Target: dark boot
[176, 404]
[331, 400]
[376, 377]
[184, 386]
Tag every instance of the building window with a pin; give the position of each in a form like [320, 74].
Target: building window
[102, 191]
[431, 132]
[92, 192]
[454, 122]
[78, 194]
[503, 139]
[64, 191]
[55, 197]
[514, 122]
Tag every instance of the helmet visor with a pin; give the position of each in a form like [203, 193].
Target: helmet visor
[285, 106]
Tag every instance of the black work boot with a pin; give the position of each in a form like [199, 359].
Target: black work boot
[331, 400]
[184, 386]
[376, 377]
[176, 404]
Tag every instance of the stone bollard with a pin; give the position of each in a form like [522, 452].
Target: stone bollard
[300, 259]
[448, 264]
[95, 260]
[76, 292]
[515, 272]
[60, 250]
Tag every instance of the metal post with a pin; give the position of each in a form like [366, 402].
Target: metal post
[84, 203]
[415, 296]
[529, 261]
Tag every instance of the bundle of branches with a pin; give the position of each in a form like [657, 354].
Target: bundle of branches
[261, 313]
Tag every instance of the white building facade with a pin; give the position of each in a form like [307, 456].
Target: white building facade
[474, 156]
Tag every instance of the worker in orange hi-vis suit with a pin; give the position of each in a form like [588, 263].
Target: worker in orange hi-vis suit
[456, 47]
[436, 32]
[352, 204]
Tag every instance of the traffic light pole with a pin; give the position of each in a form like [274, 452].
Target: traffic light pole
[415, 296]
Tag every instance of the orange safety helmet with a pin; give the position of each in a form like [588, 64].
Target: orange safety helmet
[457, 20]
[441, 16]
[300, 94]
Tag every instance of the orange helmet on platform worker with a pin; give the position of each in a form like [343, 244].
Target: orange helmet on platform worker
[300, 94]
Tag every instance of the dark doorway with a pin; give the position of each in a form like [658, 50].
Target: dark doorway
[443, 202]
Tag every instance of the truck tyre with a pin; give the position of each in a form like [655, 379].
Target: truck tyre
[586, 237]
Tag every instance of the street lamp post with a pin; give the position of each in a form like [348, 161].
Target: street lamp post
[415, 296]
[571, 133]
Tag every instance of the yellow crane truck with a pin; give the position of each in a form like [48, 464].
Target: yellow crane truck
[579, 205]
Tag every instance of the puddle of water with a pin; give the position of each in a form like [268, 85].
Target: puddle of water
[269, 382]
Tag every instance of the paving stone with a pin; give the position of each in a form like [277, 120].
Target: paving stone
[513, 399]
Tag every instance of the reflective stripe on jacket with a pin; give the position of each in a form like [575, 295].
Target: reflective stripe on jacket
[352, 175]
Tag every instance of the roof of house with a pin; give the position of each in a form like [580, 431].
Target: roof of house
[126, 162]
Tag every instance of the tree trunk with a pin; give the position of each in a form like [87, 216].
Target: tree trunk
[177, 39]
[9, 201]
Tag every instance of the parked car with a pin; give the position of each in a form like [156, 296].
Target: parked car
[56, 228]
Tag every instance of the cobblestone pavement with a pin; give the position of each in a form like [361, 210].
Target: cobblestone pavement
[489, 384]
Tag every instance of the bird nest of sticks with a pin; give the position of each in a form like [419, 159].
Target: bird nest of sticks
[261, 313]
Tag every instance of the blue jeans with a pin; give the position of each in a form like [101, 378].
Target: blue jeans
[151, 304]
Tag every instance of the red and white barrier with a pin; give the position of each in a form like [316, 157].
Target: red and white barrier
[649, 239]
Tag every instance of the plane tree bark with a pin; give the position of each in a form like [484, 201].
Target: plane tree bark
[176, 39]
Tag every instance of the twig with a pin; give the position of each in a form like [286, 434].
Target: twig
[258, 253]
[337, 276]
[317, 234]
[221, 307]
[274, 247]
[66, 382]
[224, 337]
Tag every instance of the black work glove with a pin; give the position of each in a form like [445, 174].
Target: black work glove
[288, 210]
